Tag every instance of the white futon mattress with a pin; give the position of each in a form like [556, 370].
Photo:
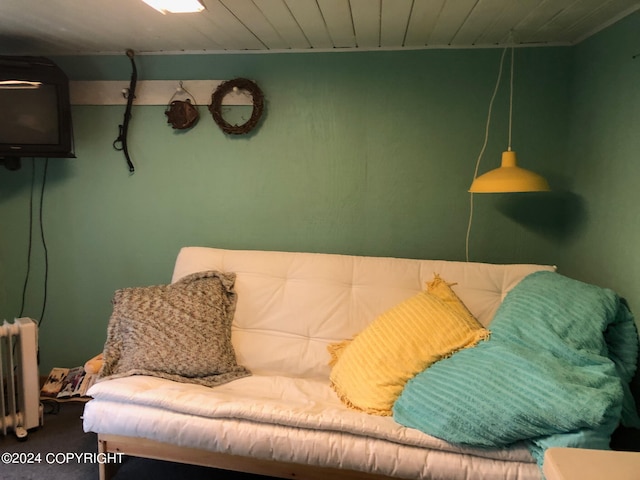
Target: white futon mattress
[297, 420]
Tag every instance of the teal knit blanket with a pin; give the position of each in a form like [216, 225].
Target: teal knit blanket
[555, 372]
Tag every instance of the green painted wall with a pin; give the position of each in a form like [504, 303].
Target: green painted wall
[603, 164]
[358, 153]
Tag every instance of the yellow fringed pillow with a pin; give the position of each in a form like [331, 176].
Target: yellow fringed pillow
[370, 371]
[443, 291]
[437, 287]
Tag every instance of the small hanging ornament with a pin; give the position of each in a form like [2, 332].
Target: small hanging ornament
[182, 114]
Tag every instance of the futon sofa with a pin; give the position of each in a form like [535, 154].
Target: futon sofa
[313, 366]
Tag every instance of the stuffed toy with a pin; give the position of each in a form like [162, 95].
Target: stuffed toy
[94, 364]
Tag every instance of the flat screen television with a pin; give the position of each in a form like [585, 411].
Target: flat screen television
[35, 113]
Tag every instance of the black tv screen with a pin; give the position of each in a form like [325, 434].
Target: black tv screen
[35, 114]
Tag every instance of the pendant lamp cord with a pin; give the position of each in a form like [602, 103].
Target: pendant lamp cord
[511, 98]
[486, 140]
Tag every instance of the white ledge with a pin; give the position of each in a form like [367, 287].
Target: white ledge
[150, 92]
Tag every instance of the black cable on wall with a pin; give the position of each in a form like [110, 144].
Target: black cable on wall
[42, 238]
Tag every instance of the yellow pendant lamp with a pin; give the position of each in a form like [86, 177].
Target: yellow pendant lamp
[509, 177]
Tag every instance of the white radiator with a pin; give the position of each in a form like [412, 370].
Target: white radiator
[19, 384]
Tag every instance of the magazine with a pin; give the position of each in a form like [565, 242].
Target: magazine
[67, 384]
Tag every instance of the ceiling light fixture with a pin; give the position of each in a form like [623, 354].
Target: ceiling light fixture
[176, 6]
[508, 178]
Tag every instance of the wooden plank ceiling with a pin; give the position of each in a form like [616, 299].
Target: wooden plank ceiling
[49, 27]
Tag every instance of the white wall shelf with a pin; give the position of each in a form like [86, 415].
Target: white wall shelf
[150, 92]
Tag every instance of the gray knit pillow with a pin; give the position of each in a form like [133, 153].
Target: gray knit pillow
[181, 331]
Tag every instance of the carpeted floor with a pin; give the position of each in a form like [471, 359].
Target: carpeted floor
[35, 457]
[47, 449]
